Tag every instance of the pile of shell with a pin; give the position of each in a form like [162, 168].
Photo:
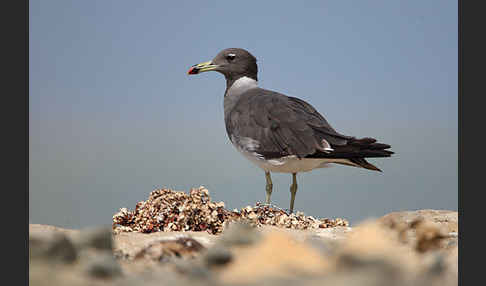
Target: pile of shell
[169, 210]
[268, 215]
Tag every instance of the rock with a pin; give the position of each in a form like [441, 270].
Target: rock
[372, 244]
[193, 270]
[239, 234]
[448, 220]
[164, 250]
[429, 236]
[102, 265]
[400, 249]
[277, 254]
[324, 246]
[53, 247]
[130, 244]
[217, 256]
[44, 228]
[99, 238]
[425, 230]
[437, 264]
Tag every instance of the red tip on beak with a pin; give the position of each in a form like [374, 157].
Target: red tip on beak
[192, 70]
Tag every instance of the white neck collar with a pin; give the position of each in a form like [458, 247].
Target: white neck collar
[241, 85]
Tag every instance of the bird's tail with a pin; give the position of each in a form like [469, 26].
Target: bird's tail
[361, 162]
[355, 151]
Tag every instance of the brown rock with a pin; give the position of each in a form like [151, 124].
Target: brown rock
[425, 230]
[129, 244]
[52, 247]
[402, 248]
[448, 220]
[49, 229]
[164, 250]
[371, 242]
[276, 255]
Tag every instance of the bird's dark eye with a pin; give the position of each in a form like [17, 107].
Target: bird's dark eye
[230, 57]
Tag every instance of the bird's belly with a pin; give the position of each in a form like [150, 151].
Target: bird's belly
[290, 164]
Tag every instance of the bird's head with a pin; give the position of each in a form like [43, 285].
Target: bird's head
[232, 63]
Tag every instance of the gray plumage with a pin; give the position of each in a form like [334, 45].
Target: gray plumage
[281, 133]
[283, 125]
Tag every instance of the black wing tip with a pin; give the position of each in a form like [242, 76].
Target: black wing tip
[371, 148]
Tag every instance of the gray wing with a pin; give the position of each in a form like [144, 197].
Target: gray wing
[274, 125]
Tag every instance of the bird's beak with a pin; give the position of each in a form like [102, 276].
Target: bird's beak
[202, 67]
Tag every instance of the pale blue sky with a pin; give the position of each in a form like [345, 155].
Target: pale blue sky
[113, 113]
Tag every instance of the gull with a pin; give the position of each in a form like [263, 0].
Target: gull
[280, 133]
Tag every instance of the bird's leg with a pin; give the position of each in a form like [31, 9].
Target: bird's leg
[268, 187]
[293, 191]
